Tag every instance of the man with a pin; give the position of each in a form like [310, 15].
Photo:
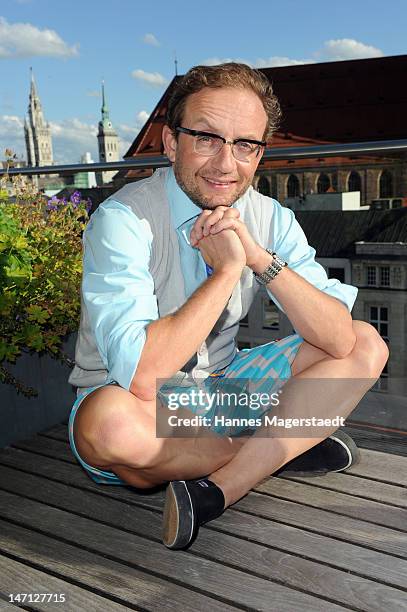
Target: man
[171, 264]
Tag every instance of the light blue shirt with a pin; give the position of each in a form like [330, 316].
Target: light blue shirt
[118, 289]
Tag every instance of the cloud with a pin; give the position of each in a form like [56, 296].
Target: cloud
[71, 138]
[12, 135]
[260, 62]
[332, 51]
[25, 40]
[150, 39]
[141, 118]
[95, 93]
[152, 78]
[346, 49]
[275, 61]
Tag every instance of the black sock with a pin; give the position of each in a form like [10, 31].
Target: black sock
[208, 498]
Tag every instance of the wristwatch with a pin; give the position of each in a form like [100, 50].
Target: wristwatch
[272, 269]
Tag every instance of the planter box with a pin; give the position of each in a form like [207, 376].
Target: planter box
[21, 417]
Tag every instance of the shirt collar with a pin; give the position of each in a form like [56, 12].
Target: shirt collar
[182, 208]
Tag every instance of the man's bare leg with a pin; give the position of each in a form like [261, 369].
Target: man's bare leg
[116, 431]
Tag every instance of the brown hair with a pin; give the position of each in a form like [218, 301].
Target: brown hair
[224, 75]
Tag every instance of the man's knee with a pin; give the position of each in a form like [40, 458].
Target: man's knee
[116, 428]
[370, 349]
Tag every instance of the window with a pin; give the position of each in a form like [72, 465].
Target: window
[270, 315]
[354, 181]
[385, 276]
[371, 276]
[323, 183]
[379, 318]
[293, 186]
[338, 273]
[263, 186]
[386, 185]
[378, 276]
[245, 321]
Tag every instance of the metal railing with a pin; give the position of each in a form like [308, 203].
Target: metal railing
[271, 154]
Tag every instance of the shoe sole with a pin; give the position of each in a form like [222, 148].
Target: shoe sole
[178, 518]
[349, 445]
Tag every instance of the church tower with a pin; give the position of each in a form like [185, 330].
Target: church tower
[37, 132]
[108, 140]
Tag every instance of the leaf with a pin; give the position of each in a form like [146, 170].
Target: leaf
[36, 313]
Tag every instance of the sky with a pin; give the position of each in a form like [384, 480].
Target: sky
[131, 44]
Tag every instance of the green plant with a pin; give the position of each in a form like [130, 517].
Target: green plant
[40, 275]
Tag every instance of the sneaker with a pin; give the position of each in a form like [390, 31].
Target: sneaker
[335, 454]
[189, 504]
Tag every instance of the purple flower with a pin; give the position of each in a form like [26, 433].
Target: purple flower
[52, 202]
[76, 198]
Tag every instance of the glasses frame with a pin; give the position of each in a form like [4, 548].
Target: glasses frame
[260, 143]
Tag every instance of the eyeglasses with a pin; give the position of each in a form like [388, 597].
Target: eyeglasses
[205, 143]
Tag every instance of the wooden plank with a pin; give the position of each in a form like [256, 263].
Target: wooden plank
[382, 467]
[17, 577]
[133, 588]
[340, 503]
[58, 432]
[348, 529]
[47, 447]
[278, 565]
[375, 439]
[199, 574]
[5, 606]
[360, 487]
[333, 525]
[343, 555]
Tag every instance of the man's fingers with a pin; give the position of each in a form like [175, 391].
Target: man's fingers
[221, 212]
[209, 218]
[225, 223]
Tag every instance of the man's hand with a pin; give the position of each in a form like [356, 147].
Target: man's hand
[222, 250]
[212, 222]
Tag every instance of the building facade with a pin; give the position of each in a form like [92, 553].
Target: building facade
[367, 249]
[37, 132]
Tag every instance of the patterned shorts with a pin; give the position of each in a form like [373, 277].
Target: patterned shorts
[265, 368]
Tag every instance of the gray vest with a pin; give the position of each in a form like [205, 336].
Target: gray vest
[148, 200]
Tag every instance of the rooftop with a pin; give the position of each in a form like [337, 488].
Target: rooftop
[334, 233]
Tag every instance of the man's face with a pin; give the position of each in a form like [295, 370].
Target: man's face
[221, 179]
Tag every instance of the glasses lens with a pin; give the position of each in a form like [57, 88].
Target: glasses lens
[244, 151]
[208, 145]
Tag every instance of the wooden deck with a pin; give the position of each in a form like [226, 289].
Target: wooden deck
[318, 544]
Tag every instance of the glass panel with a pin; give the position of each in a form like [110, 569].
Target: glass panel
[385, 276]
[371, 275]
[270, 315]
[245, 321]
[373, 313]
[384, 329]
[338, 273]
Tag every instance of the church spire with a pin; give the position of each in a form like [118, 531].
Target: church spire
[33, 88]
[37, 130]
[108, 141]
